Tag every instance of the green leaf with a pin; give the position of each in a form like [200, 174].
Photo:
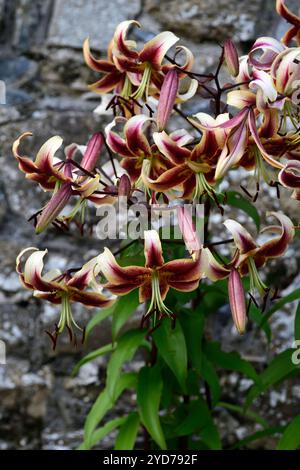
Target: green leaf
[280, 303]
[93, 355]
[98, 318]
[280, 368]
[149, 390]
[124, 308]
[125, 350]
[257, 317]
[230, 361]
[235, 199]
[103, 404]
[210, 376]
[171, 345]
[297, 323]
[100, 433]
[199, 420]
[257, 436]
[247, 413]
[128, 432]
[290, 439]
[192, 323]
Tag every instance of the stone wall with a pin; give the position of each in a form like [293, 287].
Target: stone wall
[41, 64]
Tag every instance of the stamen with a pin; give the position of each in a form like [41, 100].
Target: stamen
[144, 85]
[156, 303]
[255, 280]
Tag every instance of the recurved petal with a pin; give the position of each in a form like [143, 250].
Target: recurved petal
[103, 66]
[265, 82]
[233, 150]
[44, 158]
[181, 137]
[270, 48]
[211, 267]
[241, 236]
[116, 143]
[170, 149]
[152, 249]
[121, 45]
[237, 301]
[278, 245]
[289, 176]
[107, 83]
[169, 179]
[86, 275]
[182, 270]
[117, 275]
[155, 50]
[32, 273]
[135, 137]
[241, 98]
[25, 164]
[90, 299]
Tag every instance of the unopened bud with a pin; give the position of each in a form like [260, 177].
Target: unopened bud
[167, 98]
[91, 155]
[231, 58]
[237, 300]
[124, 188]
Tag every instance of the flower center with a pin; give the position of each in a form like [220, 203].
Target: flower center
[255, 280]
[144, 85]
[66, 317]
[157, 305]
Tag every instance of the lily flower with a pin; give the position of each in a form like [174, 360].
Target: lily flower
[130, 72]
[249, 256]
[155, 279]
[65, 178]
[135, 147]
[62, 288]
[193, 170]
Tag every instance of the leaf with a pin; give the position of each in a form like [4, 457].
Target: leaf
[280, 303]
[247, 413]
[297, 323]
[100, 433]
[98, 318]
[93, 355]
[125, 350]
[280, 368]
[193, 324]
[124, 308]
[257, 435]
[256, 316]
[210, 376]
[199, 420]
[235, 199]
[103, 404]
[290, 439]
[149, 390]
[230, 361]
[128, 432]
[171, 345]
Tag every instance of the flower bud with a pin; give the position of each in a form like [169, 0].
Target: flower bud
[237, 300]
[231, 58]
[56, 204]
[91, 155]
[167, 98]
[124, 188]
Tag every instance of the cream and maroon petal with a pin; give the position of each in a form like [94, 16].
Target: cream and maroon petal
[181, 137]
[170, 179]
[103, 66]
[123, 288]
[145, 291]
[25, 164]
[155, 50]
[253, 129]
[241, 236]
[189, 59]
[108, 83]
[44, 158]
[187, 286]
[123, 46]
[212, 268]
[289, 176]
[241, 98]
[33, 273]
[278, 245]
[115, 274]
[152, 249]
[233, 150]
[265, 82]
[86, 274]
[135, 137]
[116, 143]
[270, 49]
[90, 299]
[183, 270]
[170, 149]
[133, 167]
